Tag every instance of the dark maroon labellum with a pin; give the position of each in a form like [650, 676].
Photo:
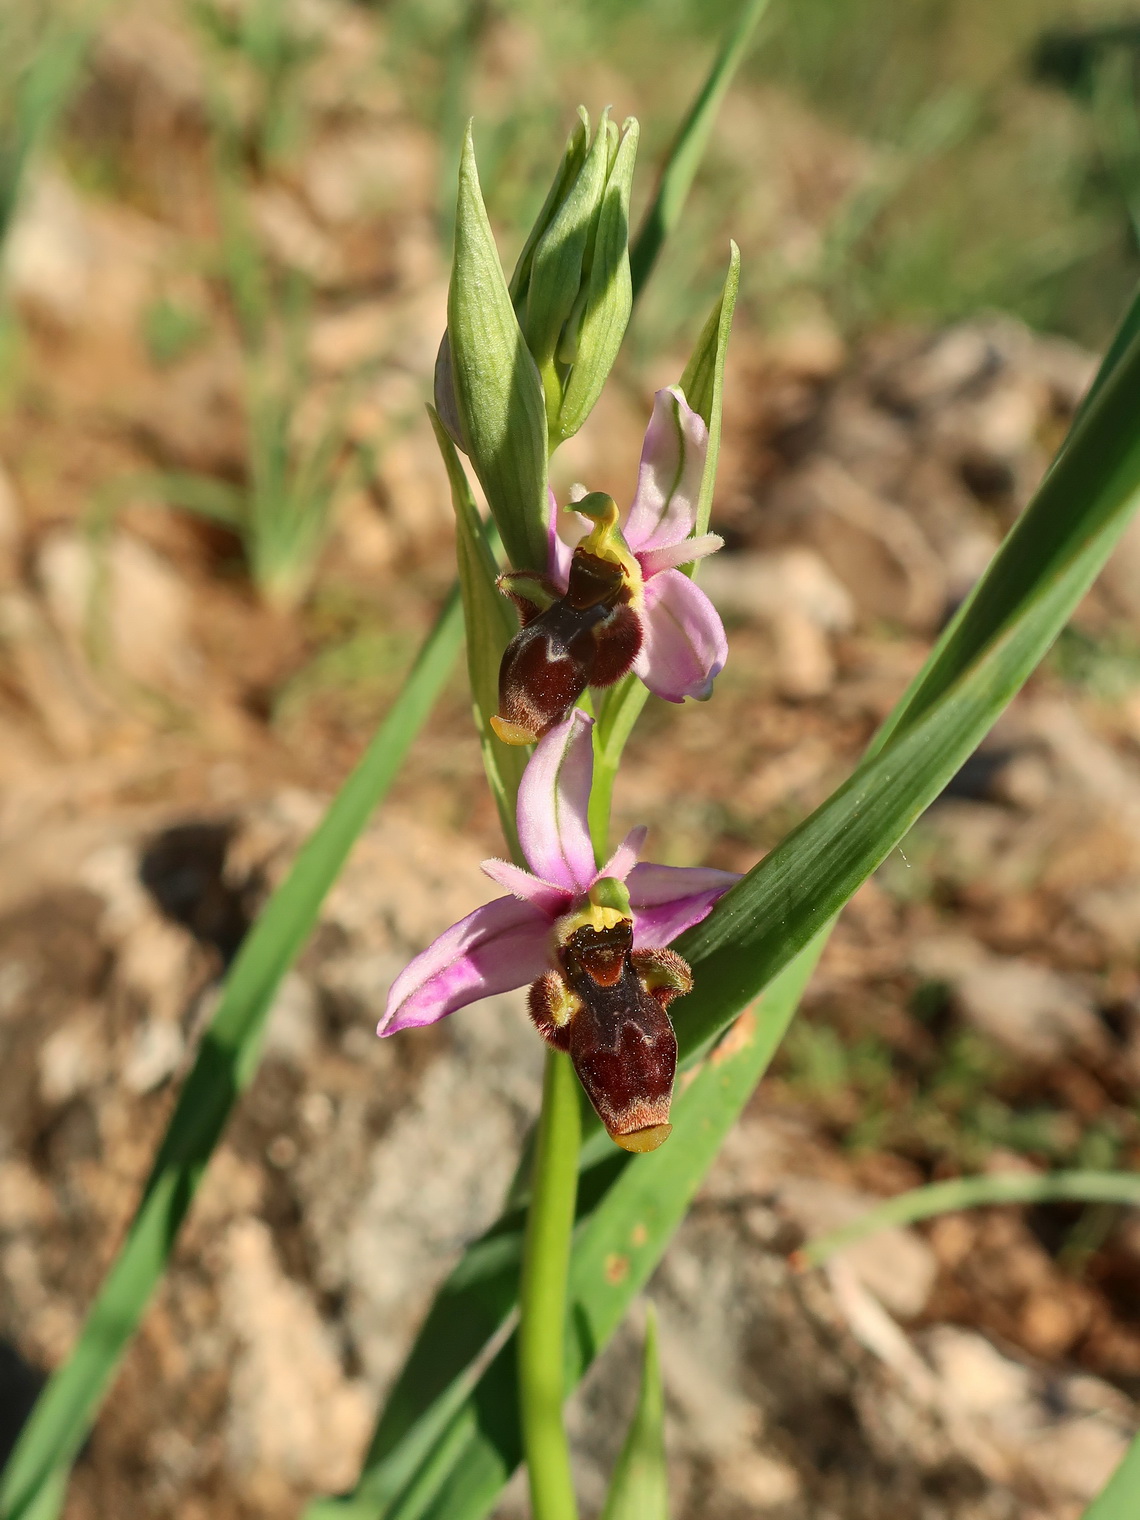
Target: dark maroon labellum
[588, 637]
[606, 1007]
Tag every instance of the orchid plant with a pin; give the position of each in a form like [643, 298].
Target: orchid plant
[608, 943]
[606, 604]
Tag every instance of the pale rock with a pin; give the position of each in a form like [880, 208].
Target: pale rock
[72, 1060]
[759, 1479]
[56, 684]
[1068, 1432]
[1065, 367]
[157, 1048]
[11, 529]
[155, 66]
[798, 597]
[1112, 912]
[293, 1414]
[79, 264]
[760, 585]
[811, 348]
[966, 559]
[26, 1202]
[944, 367]
[231, 1188]
[49, 258]
[435, 1179]
[981, 1379]
[15, 981]
[369, 169]
[155, 959]
[366, 533]
[292, 1032]
[293, 238]
[347, 339]
[145, 603]
[896, 1265]
[1032, 1011]
[871, 544]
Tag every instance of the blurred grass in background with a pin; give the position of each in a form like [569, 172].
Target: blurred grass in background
[898, 162]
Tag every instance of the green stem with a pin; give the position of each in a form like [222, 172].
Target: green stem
[542, 1297]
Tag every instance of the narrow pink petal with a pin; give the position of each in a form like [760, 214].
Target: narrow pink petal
[501, 945]
[684, 647]
[669, 481]
[559, 554]
[666, 900]
[624, 858]
[553, 798]
[548, 899]
[669, 556]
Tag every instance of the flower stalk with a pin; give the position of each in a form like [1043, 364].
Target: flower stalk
[542, 1296]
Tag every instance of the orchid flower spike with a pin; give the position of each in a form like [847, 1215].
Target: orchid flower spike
[592, 943]
[618, 601]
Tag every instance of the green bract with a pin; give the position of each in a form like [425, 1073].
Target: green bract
[497, 392]
[596, 325]
[639, 1488]
[571, 286]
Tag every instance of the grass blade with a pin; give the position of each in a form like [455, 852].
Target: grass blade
[688, 148]
[1121, 1499]
[225, 1065]
[971, 1193]
[640, 1486]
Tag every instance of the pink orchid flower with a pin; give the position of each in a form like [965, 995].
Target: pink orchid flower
[590, 941]
[618, 601]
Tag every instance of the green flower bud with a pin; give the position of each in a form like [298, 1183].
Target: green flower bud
[596, 326]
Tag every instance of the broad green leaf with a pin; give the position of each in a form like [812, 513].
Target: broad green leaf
[226, 1061]
[498, 392]
[590, 346]
[490, 624]
[972, 1193]
[639, 1489]
[689, 146]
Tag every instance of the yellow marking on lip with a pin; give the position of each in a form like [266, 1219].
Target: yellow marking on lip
[642, 1140]
[512, 733]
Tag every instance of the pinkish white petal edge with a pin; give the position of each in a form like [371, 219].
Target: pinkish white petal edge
[684, 647]
[502, 945]
[672, 467]
[552, 805]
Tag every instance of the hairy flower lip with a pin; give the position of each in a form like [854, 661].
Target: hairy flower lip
[621, 600]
